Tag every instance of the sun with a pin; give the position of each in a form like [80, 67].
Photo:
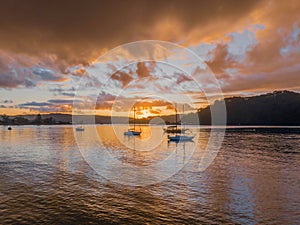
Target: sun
[144, 113]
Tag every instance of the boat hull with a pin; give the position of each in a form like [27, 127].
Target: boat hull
[132, 133]
[79, 129]
[179, 138]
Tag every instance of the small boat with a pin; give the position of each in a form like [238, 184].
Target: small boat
[180, 138]
[80, 128]
[174, 129]
[133, 131]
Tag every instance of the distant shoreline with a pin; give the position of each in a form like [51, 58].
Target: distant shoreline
[162, 125]
[279, 108]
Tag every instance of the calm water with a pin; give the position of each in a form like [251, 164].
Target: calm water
[255, 179]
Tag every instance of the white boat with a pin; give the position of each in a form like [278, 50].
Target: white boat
[174, 129]
[180, 138]
[80, 128]
[9, 126]
[133, 132]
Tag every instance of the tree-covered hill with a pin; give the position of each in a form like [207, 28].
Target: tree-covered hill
[277, 108]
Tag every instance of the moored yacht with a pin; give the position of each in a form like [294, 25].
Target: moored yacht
[133, 131]
[174, 129]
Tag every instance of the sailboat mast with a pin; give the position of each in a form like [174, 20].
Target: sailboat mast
[176, 114]
[133, 118]
[182, 121]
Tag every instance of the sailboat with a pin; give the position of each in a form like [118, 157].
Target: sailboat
[180, 137]
[9, 126]
[80, 128]
[174, 128]
[184, 136]
[133, 132]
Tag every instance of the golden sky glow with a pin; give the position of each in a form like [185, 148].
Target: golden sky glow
[47, 47]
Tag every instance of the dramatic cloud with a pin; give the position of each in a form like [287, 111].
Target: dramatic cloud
[47, 74]
[264, 55]
[107, 101]
[63, 91]
[33, 104]
[143, 70]
[52, 105]
[77, 30]
[6, 101]
[251, 46]
[19, 70]
[123, 77]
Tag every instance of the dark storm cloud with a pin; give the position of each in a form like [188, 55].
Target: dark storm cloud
[66, 36]
[52, 105]
[47, 74]
[60, 90]
[142, 70]
[61, 101]
[220, 61]
[70, 92]
[123, 77]
[10, 79]
[182, 78]
[21, 70]
[78, 30]
[6, 101]
[50, 102]
[33, 104]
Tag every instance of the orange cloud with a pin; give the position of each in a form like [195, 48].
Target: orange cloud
[54, 47]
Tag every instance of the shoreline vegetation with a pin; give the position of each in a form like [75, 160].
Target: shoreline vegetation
[280, 108]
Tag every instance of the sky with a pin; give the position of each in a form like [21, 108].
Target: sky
[48, 47]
